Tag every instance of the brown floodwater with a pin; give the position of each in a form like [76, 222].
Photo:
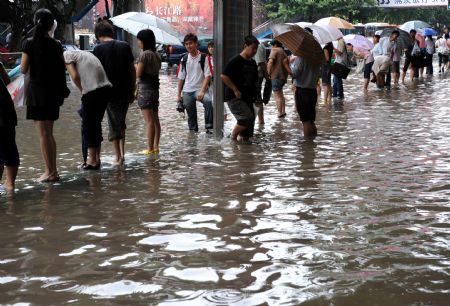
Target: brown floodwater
[358, 216]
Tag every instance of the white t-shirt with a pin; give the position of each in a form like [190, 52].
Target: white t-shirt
[429, 45]
[193, 76]
[90, 69]
[341, 47]
[441, 46]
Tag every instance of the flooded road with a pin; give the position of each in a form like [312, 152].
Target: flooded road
[358, 216]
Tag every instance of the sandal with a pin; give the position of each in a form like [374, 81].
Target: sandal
[91, 167]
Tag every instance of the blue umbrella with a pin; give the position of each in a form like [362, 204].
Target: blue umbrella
[429, 31]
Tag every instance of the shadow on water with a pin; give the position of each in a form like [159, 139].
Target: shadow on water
[357, 216]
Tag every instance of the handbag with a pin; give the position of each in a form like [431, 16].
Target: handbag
[340, 70]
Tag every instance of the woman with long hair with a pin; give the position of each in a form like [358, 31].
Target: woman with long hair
[147, 66]
[42, 56]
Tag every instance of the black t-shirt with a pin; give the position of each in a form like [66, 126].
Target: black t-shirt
[117, 60]
[244, 74]
[7, 112]
[47, 69]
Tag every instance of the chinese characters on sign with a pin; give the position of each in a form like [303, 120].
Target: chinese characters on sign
[185, 16]
[411, 3]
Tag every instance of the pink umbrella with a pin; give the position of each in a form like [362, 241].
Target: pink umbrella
[421, 40]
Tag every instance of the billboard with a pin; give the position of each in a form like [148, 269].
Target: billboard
[411, 3]
[194, 16]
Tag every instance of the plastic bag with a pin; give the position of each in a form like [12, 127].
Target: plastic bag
[17, 90]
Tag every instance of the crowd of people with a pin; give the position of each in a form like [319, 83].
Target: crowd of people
[108, 85]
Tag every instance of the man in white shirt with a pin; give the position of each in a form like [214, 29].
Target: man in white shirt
[429, 44]
[194, 78]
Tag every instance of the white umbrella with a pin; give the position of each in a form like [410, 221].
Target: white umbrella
[322, 35]
[358, 41]
[334, 33]
[133, 22]
[414, 25]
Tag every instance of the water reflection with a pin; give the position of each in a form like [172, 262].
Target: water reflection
[358, 215]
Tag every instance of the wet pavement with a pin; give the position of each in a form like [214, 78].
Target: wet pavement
[358, 216]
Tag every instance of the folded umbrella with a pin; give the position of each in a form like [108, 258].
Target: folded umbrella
[299, 42]
[133, 22]
[336, 22]
[358, 41]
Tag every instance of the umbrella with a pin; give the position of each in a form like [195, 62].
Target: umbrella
[322, 35]
[336, 22]
[133, 22]
[404, 38]
[359, 41]
[334, 32]
[299, 42]
[414, 25]
[427, 31]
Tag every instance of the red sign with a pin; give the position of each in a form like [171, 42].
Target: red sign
[194, 16]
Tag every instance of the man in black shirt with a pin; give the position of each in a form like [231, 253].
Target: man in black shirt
[241, 78]
[117, 60]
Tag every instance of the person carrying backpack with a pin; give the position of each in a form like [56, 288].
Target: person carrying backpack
[194, 78]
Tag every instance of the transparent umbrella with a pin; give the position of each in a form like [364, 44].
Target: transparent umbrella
[414, 25]
[133, 22]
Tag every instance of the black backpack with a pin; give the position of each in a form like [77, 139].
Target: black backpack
[184, 59]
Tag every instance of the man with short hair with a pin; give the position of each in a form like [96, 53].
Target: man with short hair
[408, 58]
[241, 77]
[394, 52]
[194, 78]
[118, 61]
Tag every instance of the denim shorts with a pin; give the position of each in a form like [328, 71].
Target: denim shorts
[278, 84]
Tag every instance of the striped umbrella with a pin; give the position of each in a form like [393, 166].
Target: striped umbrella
[299, 42]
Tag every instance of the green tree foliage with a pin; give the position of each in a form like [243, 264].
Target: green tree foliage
[352, 10]
[311, 10]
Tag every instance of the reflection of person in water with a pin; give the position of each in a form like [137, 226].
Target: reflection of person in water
[308, 171]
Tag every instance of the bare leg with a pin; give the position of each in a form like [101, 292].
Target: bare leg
[48, 148]
[117, 149]
[150, 128]
[366, 84]
[237, 130]
[396, 78]
[261, 113]
[309, 129]
[319, 90]
[278, 95]
[157, 125]
[10, 179]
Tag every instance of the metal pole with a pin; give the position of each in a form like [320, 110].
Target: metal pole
[218, 88]
[232, 22]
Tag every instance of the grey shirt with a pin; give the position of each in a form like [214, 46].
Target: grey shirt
[306, 74]
[90, 69]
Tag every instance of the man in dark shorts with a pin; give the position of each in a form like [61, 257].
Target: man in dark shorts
[241, 79]
[9, 155]
[118, 61]
[408, 57]
[305, 76]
